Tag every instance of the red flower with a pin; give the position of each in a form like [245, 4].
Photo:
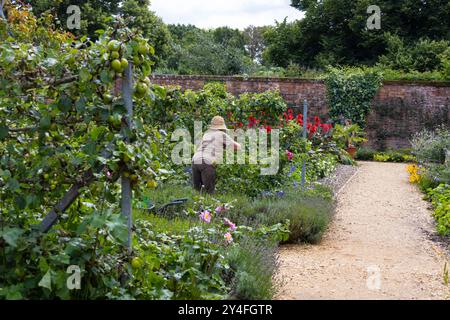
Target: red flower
[326, 128]
[252, 122]
[268, 129]
[316, 120]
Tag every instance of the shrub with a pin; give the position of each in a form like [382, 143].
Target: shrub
[433, 175]
[440, 198]
[381, 157]
[425, 182]
[186, 266]
[431, 146]
[365, 154]
[253, 263]
[445, 64]
[369, 154]
[350, 93]
[308, 213]
[422, 56]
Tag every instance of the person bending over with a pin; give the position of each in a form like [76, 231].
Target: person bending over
[209, 153]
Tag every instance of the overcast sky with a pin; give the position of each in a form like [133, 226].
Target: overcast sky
[233, 13]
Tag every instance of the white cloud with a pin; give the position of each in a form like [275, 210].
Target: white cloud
[233, 13]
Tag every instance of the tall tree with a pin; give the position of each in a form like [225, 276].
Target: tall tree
[254, 41]
[95, 14]
[334, 31]
[218, 51]
[229, 37]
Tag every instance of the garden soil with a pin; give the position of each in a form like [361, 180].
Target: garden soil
[379, 245]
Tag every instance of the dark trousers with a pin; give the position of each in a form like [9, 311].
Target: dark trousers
[204, 175]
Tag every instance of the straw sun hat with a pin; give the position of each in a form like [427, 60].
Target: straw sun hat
[218, 123]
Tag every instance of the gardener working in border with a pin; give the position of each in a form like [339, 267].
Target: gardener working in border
[210, 153]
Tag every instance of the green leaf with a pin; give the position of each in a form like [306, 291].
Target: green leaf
[43, 265]
[98, 221]
[85, 75]
[65, 103]
[61, 258]
[13, 293]
[3, 132]
[45, 123]
[118, 228]
[46, 281]
[80, 105]
[11, 235]
[13, 185]
[105, 77]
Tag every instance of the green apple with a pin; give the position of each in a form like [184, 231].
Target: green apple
[124, 63]
[114, 45]
[117, 66]
[143, 49]
[136, 60]
[107, 98]
[137, 263]
[115, 55]
[141, 88]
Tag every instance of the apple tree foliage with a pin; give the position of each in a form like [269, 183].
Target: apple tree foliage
[63, 123]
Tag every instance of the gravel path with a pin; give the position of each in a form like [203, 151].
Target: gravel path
[376, 248]
[339, 178]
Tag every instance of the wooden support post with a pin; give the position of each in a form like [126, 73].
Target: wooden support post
[2, 5]
[127, 193]
[305, 136]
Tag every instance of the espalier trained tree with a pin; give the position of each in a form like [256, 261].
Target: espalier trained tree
[63, 115]
[65, 139]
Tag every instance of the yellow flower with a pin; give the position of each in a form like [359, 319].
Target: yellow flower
[413, 170]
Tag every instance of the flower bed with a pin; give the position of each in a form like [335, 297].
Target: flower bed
[432, 173]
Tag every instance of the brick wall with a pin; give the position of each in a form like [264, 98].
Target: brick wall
[400, 109]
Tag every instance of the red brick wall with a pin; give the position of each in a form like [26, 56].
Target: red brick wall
[400, 108]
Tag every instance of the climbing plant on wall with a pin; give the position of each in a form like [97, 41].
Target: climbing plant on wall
[350, 93]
